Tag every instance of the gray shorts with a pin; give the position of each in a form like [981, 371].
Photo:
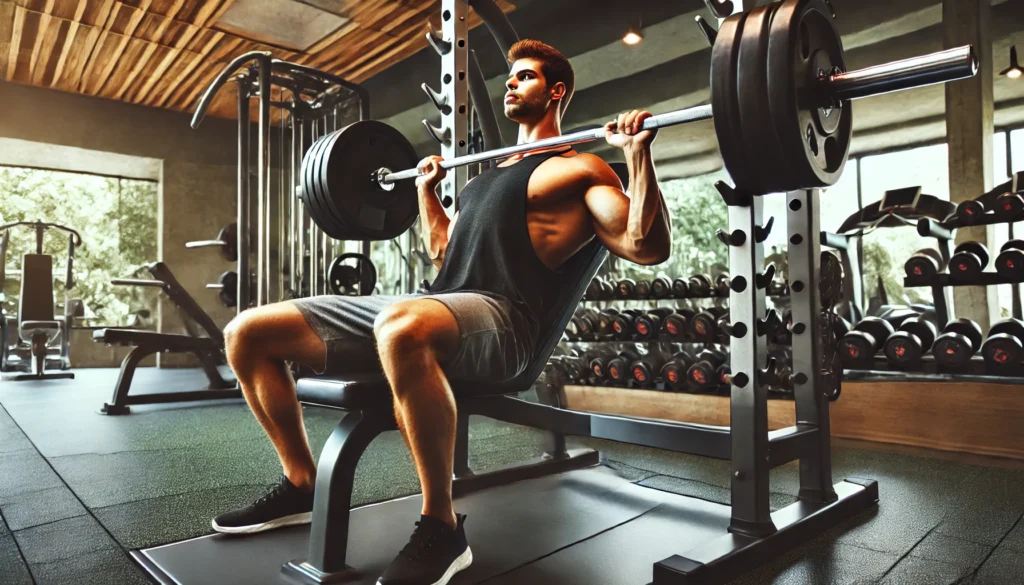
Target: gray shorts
[493, 338]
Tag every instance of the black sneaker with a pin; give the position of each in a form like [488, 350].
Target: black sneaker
[284, 505]
[434, 555]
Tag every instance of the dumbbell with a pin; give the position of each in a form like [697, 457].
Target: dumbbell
[912, 340]
[674, 371]
[723, 284]
[645, 370]
[783, 334]
[604, 321]
[1005, 344]
[924, 264]
[968, 261]
[626, 289]
[569, 367]
[619, 367]
[622, 324]
[959, 340]
[703, 374]
[648, 325]
[643, 289]
[676, 326]
[1009, 206]
[583, 325]
[699, 285]
[970, 212]
[777, 288]
[680, 289]
[1010, 261]
[859, 346]
[594, 292]
[661, 288]
[705, 325]
[598, 365]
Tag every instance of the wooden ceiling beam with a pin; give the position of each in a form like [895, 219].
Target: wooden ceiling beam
[69, 41]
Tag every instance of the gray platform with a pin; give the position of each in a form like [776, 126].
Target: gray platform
[584, 527]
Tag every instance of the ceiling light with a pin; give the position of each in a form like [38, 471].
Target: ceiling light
[633, 36]
[1013, 71]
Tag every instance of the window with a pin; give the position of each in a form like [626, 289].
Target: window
[698, 211]
[117, 219]
[884, 251]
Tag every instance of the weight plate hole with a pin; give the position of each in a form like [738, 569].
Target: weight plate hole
[447, 78]
[805, 40]
[795, 205]
[812, 140]
[833, 156]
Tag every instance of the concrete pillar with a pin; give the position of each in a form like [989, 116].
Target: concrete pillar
[969, 135]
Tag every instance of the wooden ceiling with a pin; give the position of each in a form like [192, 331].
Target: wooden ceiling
[164, 53]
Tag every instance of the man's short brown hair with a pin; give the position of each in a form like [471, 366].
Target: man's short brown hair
[554, 66]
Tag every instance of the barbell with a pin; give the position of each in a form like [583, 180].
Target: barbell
[780, 101]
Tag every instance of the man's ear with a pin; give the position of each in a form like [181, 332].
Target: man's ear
[557, 91]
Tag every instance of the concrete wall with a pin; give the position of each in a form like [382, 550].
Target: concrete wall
[197, 194]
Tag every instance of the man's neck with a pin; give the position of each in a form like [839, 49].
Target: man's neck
[545, 128]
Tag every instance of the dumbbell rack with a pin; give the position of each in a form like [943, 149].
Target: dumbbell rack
[309, 103]
[943, 232]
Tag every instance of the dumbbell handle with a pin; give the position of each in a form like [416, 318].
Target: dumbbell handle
[206, 244]
[138, 282]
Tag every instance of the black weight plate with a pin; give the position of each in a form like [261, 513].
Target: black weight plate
[763, 154]
[341, 275]
[803, 40]
[309, 197]
[339, 223]
[361, 149]
[724, 103]
[830, 278]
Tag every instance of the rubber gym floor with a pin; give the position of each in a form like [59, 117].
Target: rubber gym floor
[79, 490]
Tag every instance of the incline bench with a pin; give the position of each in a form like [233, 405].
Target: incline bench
[754, 535]
[368, 400]
[208, 349]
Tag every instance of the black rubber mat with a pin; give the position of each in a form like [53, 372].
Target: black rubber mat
[159, 475]
[507, 527]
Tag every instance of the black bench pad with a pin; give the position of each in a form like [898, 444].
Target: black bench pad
[371, 391]
[168, 341]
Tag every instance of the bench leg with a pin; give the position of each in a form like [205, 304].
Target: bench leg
[552, 393]
[209, 364]
[328, 534]
[461, 468]
[124, 381]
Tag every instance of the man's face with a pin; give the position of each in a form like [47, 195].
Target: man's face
[527, 97]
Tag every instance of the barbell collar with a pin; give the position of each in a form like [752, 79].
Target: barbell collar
[683, 116]
[940, 67]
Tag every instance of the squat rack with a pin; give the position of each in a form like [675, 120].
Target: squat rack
[310, 103]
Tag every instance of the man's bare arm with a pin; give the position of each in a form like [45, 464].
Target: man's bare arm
[434, 222]
[433, 225]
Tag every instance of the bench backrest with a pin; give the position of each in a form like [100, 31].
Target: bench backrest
[577, 272]
[36, 301]
[180, 297]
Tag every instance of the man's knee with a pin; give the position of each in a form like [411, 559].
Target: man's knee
[414, 326]
[239, 334]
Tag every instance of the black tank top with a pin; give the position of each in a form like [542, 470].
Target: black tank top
[490, 250]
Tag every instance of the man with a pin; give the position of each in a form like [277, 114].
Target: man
[498, 260]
